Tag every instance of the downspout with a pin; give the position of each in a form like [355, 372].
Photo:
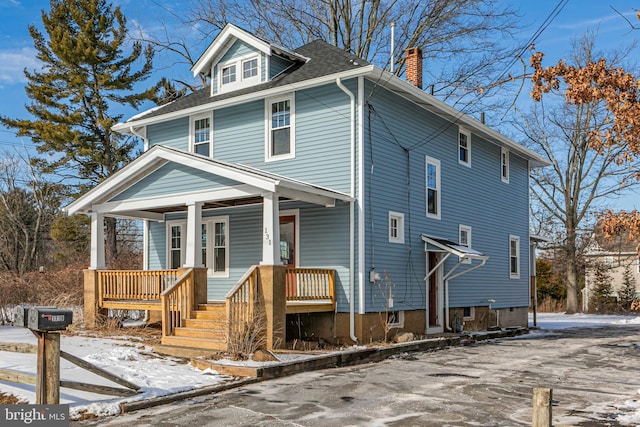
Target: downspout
[426, 282]
[352, 306]
[451, 276]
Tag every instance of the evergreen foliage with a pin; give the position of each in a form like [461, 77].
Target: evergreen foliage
[627, 293]
[601, 296]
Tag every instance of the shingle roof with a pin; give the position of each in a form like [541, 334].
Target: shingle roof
[324, 60]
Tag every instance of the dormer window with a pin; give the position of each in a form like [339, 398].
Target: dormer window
[239, 72]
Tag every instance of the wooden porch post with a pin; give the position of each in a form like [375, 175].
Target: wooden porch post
[91, 309]
[270, 230]
[275, 303]
[193, 256]
[97, 241]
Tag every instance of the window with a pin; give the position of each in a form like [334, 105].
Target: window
[177, 240]
[464, 147]
[468, 313]
[201, 135]
[464, 238]
[249, 68]
[514, 257]
[280, 129]
[433, 188]
[396, 227]
[504, 165]
[215, 246]
[228, 74]
[395, 319]
[639, 264]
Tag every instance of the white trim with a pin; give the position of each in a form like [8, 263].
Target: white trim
[465, 132]
[512, 238]
[145, 245]
[399, 217]
[436, 163]
[210, 223]
[192, 132]
[361, 204]
[239, 82]
[268, 157]
[505, 168]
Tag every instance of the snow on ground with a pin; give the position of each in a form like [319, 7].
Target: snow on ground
[159, 375]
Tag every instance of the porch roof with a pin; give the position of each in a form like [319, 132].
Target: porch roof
[437, 244]
[252, 184]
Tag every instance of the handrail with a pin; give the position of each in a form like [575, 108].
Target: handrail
[310, 284]
[143, 285]
[241, 304]
[177, 303]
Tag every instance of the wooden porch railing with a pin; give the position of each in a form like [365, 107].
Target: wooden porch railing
[242, 302]
[177, 303]
[133, 285]
[310, 284]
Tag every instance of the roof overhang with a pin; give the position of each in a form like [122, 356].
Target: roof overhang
[252, 183]
[437, 244]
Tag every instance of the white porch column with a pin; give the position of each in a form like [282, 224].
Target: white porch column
[270, 230]
[97, 242]
[193, 255]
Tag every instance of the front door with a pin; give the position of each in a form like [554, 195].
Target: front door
[434, 294]
[288, 251]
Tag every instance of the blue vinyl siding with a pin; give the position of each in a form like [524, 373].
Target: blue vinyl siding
[238, 134]
[278, 65]
[401, 136]
[173, 179]
[174, 134]
[157, 255]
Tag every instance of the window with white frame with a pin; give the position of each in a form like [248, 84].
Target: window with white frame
[433, 187]
[396, 227]
[395, 319]
[201, 135]
[464, 147]
[464, 238]
[504, 165]
[514, 257]
[239, 72]
[176, 245]
[215, 246]
[280, 138]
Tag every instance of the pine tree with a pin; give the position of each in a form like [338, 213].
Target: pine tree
[601, 298]
[627, 293]
[85, 76]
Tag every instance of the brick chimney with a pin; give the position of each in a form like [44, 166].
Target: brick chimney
[413, 64]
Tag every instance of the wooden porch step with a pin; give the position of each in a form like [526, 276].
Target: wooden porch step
[212, 314]
[204, 323]
[193, 342]
[217, 334]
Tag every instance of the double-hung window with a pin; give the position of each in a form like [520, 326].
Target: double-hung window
[176, 233]
[464, 147]
[464, 238]
[396, 227]
[280, 138]
[433, 187]
[215, 246]
[514, 257]
[504, 165]
[201, 135]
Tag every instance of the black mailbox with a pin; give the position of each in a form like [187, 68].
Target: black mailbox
[49, 319]
[21, 314]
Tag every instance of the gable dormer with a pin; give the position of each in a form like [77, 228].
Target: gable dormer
[237, 59]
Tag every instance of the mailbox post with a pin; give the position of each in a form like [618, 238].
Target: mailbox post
[45, 323]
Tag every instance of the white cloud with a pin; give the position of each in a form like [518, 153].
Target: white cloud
[13, 62]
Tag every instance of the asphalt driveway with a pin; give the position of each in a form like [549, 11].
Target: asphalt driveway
[592, 373]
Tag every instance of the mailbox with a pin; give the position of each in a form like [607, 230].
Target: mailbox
[49, 319]
[21, 314]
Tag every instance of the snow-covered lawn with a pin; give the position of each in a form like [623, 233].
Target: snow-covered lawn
[160, 375]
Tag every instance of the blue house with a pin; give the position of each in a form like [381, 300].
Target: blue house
[372, 206]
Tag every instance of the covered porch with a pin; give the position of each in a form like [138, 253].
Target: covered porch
[145, 190]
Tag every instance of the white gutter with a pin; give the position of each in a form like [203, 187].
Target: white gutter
[145, 142]
[361, 251]
[451, 276]
[352, 307]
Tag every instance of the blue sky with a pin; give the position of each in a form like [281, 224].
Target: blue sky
[16, 47]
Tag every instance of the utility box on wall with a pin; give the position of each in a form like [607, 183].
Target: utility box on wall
[49, 319]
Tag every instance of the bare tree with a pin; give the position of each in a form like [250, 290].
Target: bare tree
[463, 41]
[580, 180]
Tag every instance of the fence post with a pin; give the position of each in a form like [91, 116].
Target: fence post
[92, 309]
[542, 407]
[48, 369]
